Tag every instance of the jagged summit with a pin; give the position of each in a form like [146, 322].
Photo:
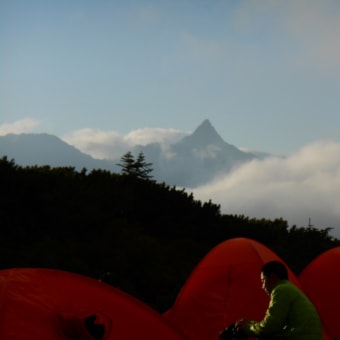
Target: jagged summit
[208, 132]
[204, 134]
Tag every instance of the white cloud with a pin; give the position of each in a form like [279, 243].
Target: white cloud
[27, 125]
[302, 186]
[97, 143]
[155, 135]
[311, 26]
[112, 145]
[303, 35]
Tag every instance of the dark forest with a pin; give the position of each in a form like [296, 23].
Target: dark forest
[149, 235]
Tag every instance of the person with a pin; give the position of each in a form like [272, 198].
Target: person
[290, 314]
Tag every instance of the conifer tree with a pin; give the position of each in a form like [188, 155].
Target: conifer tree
[138, 168]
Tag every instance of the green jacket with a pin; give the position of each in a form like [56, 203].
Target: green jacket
[290, 315]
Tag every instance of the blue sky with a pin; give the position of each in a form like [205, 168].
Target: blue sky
[265, 73]
[105, 74]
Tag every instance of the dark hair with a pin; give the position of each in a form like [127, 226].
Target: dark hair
[277, 268]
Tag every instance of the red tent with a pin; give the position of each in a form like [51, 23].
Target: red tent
[224, 286]
[55, 305]
[321, 282]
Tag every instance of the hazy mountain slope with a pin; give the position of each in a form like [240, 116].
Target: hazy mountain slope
[45, 149]
[193, 161]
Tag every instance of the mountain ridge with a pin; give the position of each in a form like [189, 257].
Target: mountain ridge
[40, 149]
[193, 161]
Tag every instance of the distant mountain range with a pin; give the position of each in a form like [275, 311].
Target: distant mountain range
[193, 161]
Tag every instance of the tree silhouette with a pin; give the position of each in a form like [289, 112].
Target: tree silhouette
[137, 168]
[149, 234]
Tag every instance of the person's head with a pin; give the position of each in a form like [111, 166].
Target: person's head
[271, 273]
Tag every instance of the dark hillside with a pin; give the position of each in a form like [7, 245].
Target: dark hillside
[149, 235]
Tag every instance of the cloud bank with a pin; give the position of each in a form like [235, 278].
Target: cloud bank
[303, 186]
[98, 143]
[27, 125]
[112, 145]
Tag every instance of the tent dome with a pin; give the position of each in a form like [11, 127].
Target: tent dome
[55, 305]
[223, 287]
[321, 281]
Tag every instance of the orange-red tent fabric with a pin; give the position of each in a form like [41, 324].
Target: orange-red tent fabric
[321, 282]
[52, 305]
[224, 286]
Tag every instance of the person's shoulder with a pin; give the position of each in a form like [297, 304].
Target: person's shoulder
[284, 285]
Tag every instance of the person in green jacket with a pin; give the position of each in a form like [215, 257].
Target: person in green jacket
[290, 314]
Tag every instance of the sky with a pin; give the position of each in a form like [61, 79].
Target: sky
[104, 74]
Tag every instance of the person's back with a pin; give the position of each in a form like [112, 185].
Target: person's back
[291, 312]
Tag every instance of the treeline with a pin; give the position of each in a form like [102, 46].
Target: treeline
[148, 234]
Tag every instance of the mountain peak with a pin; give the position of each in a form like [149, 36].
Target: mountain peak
[207, 133]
